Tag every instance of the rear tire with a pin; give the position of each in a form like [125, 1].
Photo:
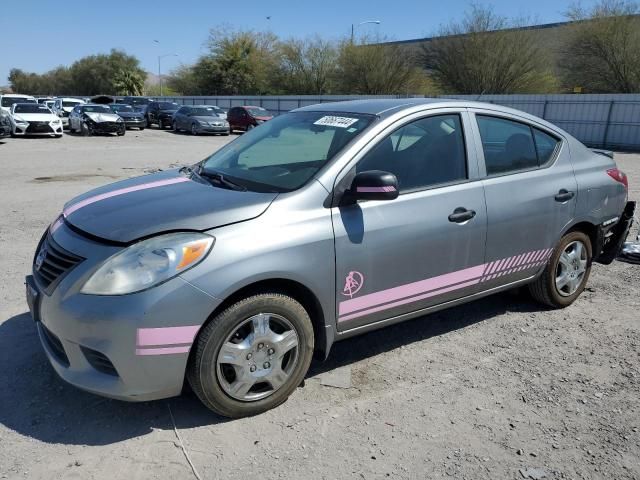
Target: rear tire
[269, 369]
[546, 288]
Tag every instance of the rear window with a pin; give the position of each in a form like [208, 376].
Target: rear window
[511, 146]
[70, 103]
[168, 106]
[96, 109]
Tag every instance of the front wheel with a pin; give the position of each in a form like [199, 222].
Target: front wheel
[194, 129]
[252, 356]
[86, 130]
[566, 273]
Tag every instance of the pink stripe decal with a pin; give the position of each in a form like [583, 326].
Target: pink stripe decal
[121, 191]
[56, 225]
[409, 300]
[376, 189]
[166, 336]
[409, 290]
[162, 351]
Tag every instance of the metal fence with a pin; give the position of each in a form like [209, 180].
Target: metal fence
[602, 121]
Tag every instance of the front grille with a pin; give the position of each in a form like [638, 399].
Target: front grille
[107, 126]
[55, 346]
[99, 361]
[65, 114]
[39, 127]
[52, 263]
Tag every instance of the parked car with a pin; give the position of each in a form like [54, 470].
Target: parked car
[5, 124]
[45, 100]
[33, 119]
[324, 223]
[161, 113]
[199, 119]
[63, 107]
[90, 119]
[132, 118]
[245, 118]
[7, 100]
[138, 103]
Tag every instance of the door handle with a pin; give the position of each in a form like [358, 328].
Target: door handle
[461, 215]
[564, 195]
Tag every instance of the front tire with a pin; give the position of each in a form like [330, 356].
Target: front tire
[252, 356]
[566, 273]
[86, 130]
[194, 129]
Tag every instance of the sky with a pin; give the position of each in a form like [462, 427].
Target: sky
[39, 35]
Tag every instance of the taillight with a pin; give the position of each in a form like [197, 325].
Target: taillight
[619, 176]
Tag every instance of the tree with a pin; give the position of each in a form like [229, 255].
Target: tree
[95, 74]
[128, 82]
[307, 66]
[376, 69]
[487, 53]
[602, 52]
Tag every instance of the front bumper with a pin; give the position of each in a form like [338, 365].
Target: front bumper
[107, 127]
[129, 347]
[37, 129]
[135, 122]
[211, 129]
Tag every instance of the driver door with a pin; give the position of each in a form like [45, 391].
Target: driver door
[395, 258]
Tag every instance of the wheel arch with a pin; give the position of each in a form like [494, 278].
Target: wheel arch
[323, 333]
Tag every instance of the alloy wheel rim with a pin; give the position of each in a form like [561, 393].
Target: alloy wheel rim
[571, 268]
[258, 357]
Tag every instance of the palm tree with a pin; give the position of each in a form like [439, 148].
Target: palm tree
[128, 82]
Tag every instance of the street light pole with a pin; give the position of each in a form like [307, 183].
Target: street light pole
[160, 57]
[353, 26]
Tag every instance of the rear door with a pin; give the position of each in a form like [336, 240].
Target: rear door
[530, 191]
[397, 257]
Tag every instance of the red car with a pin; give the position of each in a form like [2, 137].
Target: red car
[247, 117]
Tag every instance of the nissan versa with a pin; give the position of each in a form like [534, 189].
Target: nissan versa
[321, 224]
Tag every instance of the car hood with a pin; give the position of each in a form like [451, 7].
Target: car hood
[35, 117]
[209, 119]
[68, 109]
[162, 202]
[130, 114]
[102, 117]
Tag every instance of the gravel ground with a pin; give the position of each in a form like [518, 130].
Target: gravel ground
[499, 388]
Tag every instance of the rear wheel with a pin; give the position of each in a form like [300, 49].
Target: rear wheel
[566, 273]
[252, 356]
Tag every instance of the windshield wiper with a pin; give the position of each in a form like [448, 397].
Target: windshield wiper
[221, 179]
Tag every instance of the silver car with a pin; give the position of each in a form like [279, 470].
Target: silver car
[321, 224]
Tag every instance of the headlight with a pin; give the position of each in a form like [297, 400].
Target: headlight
[119, 120]
[149, 263]
[20, 121]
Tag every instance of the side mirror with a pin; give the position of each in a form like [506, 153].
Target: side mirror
[373, 185]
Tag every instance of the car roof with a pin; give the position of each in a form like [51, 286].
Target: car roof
[386, 107]
[16, 95]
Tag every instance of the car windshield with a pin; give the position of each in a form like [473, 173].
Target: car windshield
[204, 112]
[31, 108]
[8, 101]
[122, 108]
[140, 101]
[96, 109]
[257, 112]
[168, 106]
[283, 154]
[69, 103]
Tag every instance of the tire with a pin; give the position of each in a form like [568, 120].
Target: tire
[194, 130]
[86, 130]
[214, 381]
[58, 136]
[141, 129]
[122, 132]
[174, 126]
[547, 288]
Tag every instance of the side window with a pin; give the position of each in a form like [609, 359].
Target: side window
[508, 146]
[426, 152]
[546, 146]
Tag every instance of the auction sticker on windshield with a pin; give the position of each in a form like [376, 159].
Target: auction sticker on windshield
[331, 121]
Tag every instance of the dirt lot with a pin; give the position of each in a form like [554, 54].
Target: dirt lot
[499, 388]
